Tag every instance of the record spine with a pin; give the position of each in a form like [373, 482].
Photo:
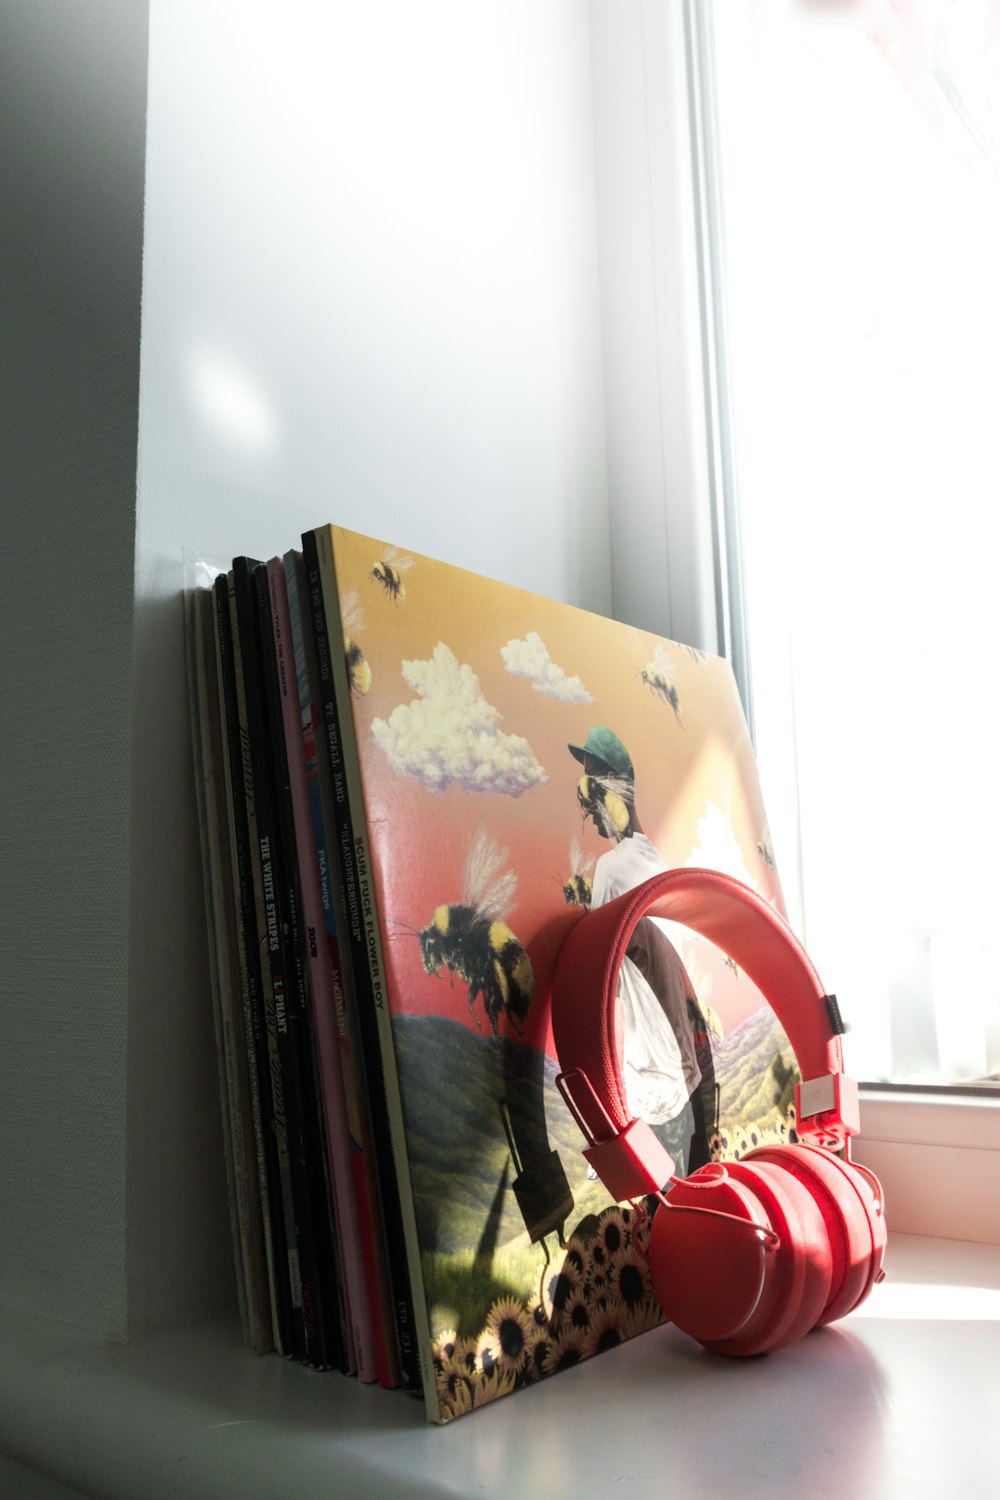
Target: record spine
[328, 1077]
[312, 1203]
[255, 1027]
[364, 941]
[257, 805]
[383, 1362]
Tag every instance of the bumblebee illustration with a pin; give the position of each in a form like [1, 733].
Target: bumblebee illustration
[657, 675]
[767, 854]
[608, 800]
[389, 573]
[471, 939]
[578, 889]
[351, 618]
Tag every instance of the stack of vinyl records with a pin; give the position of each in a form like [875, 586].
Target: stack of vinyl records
[396, 837]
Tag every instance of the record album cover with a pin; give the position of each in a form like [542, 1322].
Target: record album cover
[517, 760]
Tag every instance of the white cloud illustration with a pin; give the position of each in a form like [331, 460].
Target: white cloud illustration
[718, 847]
[451, 736]
[530, 659]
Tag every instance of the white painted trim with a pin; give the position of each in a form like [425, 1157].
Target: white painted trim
[969, 1121]
[938, 1158]
[654, 386]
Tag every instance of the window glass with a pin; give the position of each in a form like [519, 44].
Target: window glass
[859, 158]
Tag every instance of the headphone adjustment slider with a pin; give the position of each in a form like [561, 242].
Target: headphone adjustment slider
[827, 1108]
[631, 1162]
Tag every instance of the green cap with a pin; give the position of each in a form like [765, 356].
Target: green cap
[604, 745]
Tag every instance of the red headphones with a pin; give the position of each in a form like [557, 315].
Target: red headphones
[747, 1255]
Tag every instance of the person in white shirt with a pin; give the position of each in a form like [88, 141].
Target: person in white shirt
[660, 1066]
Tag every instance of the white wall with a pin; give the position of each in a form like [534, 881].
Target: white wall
[370, 296]
[658, 454]
[371, 290]
[72, 129]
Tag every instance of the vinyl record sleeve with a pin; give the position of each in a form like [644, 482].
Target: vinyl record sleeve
[478, 833]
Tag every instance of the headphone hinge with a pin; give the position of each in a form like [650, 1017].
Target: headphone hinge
[827, 1109]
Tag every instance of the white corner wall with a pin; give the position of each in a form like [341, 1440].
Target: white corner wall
[370, 296]
[72, 132]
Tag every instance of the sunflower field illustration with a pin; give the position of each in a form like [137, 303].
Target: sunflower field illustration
[597, 1294]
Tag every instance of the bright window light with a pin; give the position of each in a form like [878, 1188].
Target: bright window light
[860, 158]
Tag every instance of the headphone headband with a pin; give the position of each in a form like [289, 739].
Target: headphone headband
[623, 1151]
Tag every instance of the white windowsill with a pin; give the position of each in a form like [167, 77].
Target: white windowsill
[938, 1157]
[898, 1400]
[968, 1120]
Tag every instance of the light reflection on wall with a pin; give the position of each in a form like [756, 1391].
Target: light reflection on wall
[231, 400]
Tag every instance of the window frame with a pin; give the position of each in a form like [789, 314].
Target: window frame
[659, 209]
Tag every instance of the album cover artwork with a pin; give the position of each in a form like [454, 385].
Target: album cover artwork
[518, 760]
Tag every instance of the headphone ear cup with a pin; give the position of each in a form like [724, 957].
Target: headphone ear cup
[751, 1281]
[851, 1208]
[801, 1265]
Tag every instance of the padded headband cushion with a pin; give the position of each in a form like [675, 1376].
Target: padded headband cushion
[724, 911]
